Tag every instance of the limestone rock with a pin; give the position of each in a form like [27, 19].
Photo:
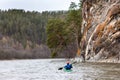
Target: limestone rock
[101, 29]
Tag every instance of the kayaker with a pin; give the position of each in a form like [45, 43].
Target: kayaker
[68, 66]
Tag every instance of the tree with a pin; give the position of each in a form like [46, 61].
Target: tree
[57, 35]
[31, 26]
[60, 34]
[74, 21]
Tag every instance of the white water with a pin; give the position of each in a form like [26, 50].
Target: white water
[47, 69]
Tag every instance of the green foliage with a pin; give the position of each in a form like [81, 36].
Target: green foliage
[63, 32]
[53, 54]
[74, 21]
[23, 26]
[72, 6]
[58, 36]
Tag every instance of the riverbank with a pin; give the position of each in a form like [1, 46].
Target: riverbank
[110, 60]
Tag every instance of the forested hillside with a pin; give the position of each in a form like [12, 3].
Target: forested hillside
[23, 33]
[23, 26]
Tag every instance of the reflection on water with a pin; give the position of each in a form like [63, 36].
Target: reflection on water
[47, 69]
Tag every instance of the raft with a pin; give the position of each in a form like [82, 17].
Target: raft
[65, 70]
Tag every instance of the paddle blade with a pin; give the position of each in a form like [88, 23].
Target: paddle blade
[60, 68]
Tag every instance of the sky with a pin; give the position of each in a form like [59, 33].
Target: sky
[36, 5]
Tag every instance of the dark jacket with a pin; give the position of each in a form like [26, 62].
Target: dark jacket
[68, 66]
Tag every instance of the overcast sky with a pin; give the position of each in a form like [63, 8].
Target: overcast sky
[36, 5]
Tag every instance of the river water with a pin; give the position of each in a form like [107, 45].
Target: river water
[47, 69]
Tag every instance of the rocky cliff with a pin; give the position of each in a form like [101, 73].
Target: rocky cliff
[101, 30]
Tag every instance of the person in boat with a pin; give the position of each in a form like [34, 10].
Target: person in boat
[68, 66]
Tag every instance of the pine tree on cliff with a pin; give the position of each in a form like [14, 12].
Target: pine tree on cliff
[74, 20]
[57, 36]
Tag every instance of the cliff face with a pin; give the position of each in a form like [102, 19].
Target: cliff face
[101, 29]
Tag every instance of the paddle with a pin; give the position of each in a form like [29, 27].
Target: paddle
[63, 67]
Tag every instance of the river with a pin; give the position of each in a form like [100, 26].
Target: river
[47, 69]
